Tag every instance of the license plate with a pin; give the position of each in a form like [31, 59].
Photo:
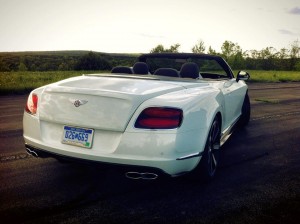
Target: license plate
[78, 136]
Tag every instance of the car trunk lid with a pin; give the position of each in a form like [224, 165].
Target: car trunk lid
[105, 103]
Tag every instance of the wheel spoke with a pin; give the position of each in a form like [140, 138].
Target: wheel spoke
[211, 154]
[214, 137]
[214, 145]
[214, 161]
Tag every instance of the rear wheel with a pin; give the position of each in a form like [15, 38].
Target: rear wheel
[209, 162]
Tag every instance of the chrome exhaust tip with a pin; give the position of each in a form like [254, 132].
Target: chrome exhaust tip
[31, 152]
[143, 176]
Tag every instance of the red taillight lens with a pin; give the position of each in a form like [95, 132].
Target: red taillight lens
[159, 118]
[31, 105]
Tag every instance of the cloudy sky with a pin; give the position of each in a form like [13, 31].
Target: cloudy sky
[137, 26]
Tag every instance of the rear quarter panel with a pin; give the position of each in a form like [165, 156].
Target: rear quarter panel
[199, 105]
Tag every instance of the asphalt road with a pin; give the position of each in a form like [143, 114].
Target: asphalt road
[258, 180]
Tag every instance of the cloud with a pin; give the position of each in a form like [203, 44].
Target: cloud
[286, 32]
[295, 11]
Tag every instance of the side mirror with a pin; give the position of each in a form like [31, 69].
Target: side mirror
[242, 75]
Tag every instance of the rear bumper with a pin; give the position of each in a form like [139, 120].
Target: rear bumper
[171, 168]
[126, 169]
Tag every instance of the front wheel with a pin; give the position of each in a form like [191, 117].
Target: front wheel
[209, 162]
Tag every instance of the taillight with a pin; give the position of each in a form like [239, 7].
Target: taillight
[31, 105]
[159, 118]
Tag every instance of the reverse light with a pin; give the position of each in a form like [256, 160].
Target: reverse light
[159, 118]
[31, 105]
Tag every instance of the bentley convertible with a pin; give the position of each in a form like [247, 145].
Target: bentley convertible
[168, 114]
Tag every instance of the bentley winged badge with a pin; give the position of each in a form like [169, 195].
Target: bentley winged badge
[77, 102]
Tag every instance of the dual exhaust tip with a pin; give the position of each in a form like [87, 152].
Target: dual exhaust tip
[32, 152]
[141, 176]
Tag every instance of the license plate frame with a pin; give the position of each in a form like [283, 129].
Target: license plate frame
[78, 136]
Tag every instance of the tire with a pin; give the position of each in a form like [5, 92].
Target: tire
[246, 111]
[207, 167]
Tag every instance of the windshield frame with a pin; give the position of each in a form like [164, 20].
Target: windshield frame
[185, 57]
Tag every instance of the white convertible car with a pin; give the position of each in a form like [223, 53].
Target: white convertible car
[168, 114]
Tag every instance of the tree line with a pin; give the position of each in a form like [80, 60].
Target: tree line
[62, 61]
[286, 59]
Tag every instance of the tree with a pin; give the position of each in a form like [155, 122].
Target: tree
[268, 56]
[22, 66]
[160, 49]
[3, 66]
[238, 60]
[173, 48]
[233, 54]
[283, 53]
[268, 53]
[211, 51]
[281, 59]
[199, 47]
[294, 54]
[295, 49]
[92, 61]
[63, 67]
[297, 66]
[228, 49]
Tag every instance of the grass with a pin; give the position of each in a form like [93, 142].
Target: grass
[274, 76]
[24, 82]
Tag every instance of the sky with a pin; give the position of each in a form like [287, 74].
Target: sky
[137, 26]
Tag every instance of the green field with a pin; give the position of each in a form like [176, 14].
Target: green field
[274, 76]
[24, 82]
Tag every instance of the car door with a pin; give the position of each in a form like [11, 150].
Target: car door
[234, 93]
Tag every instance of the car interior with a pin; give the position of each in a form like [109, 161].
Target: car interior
[191, 68]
